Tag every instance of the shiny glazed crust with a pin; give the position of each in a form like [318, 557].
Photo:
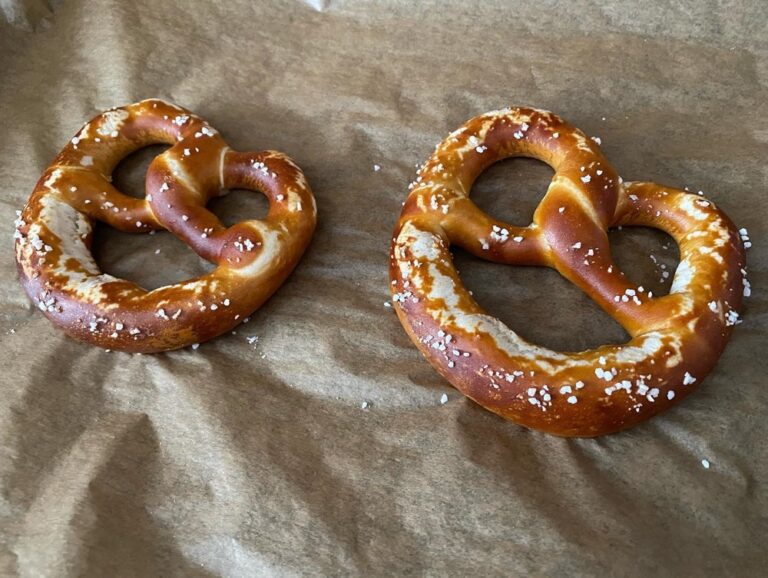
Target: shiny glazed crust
[675, 339]
[253, 258]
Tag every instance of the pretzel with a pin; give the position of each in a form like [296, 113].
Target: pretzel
[675, 339]
[252, 258]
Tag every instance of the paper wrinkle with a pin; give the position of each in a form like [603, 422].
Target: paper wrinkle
[319, 5]
[29, 15]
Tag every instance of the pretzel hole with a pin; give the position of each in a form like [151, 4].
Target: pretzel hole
[648, 257]
[129, 175]
[539, 304]
[150, 261]
[511, 189]
[236, 205]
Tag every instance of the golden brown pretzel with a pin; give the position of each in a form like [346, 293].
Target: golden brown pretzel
[54, 231]
[675, 339]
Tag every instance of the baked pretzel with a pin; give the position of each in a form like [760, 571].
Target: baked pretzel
[54, 231]
[675, 339]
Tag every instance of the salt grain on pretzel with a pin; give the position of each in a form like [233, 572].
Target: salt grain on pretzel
[253, 258]
[675, 339]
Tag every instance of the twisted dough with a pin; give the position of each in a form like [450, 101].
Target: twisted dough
[253, 258]
[675, 339]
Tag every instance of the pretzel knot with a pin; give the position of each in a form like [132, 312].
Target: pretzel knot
[675, 339]
[253, 258]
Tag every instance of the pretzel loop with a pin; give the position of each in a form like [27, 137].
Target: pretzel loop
[253, 257]
[675, 340]
[180, 204]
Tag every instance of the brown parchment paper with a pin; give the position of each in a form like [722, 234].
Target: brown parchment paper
[256, 459]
